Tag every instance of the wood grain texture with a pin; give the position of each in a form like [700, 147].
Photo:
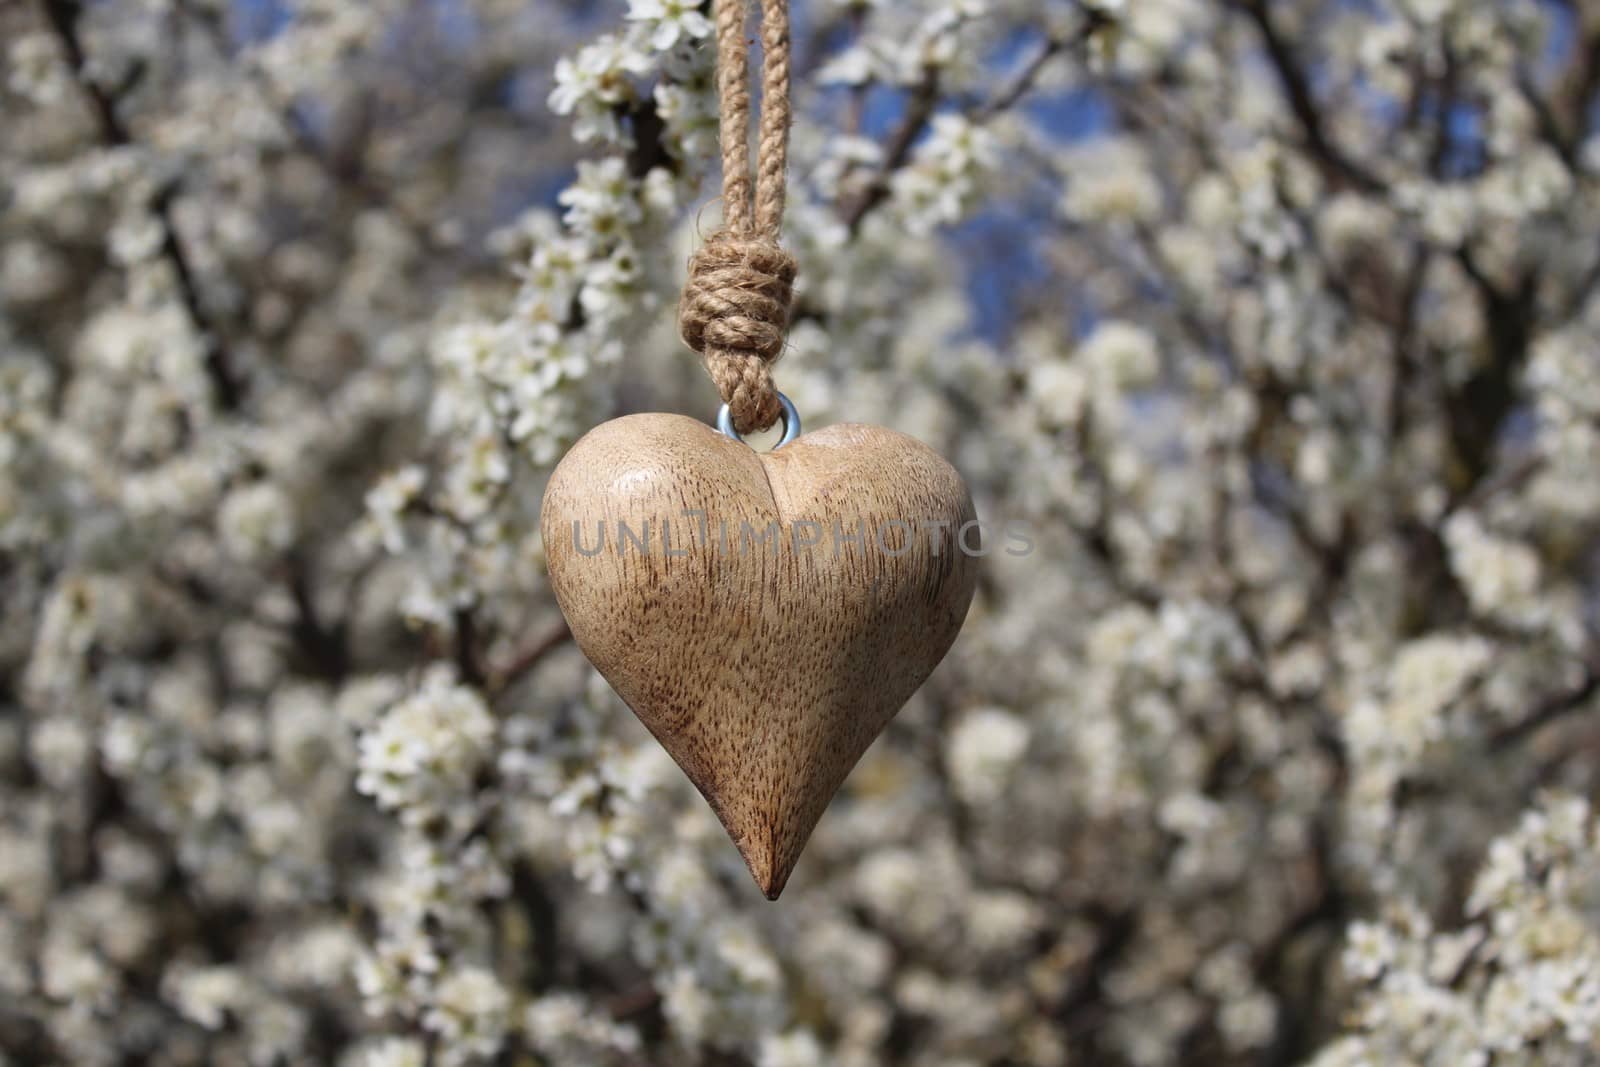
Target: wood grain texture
[765, 665]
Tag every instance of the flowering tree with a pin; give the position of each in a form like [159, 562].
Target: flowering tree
[1273, 322]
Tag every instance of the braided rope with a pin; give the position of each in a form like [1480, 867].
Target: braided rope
[735, 305]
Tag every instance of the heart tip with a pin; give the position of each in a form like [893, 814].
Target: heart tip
[769, 876]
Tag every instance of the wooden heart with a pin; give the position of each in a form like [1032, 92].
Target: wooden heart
[764, 614]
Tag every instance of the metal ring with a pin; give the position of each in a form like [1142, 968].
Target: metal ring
[791, 423]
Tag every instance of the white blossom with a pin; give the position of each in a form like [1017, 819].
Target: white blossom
[1271, 326]
[421, 755]
[469, 1015]
[983, 751]
[671, 21]
[256, 521]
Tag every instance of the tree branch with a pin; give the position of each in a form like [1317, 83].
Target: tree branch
[1022, 84]
[1094, 21]
[524, 660]
[1303, 103]
[63, 16]
[469, 664]
[919, 110]
[326, 648]
[1548, 711]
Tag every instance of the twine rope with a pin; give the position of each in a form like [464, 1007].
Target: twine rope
[735, 305]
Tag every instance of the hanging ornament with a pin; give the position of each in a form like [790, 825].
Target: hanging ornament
[764, 614]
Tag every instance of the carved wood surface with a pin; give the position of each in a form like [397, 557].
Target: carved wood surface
[764, 614]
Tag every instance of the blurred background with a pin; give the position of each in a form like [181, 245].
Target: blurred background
[1275, 321]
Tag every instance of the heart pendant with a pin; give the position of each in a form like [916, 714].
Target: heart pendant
[764, 614]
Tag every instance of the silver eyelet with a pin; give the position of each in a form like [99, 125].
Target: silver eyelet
[791, 423]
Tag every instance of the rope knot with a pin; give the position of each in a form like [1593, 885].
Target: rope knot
[735, 312]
